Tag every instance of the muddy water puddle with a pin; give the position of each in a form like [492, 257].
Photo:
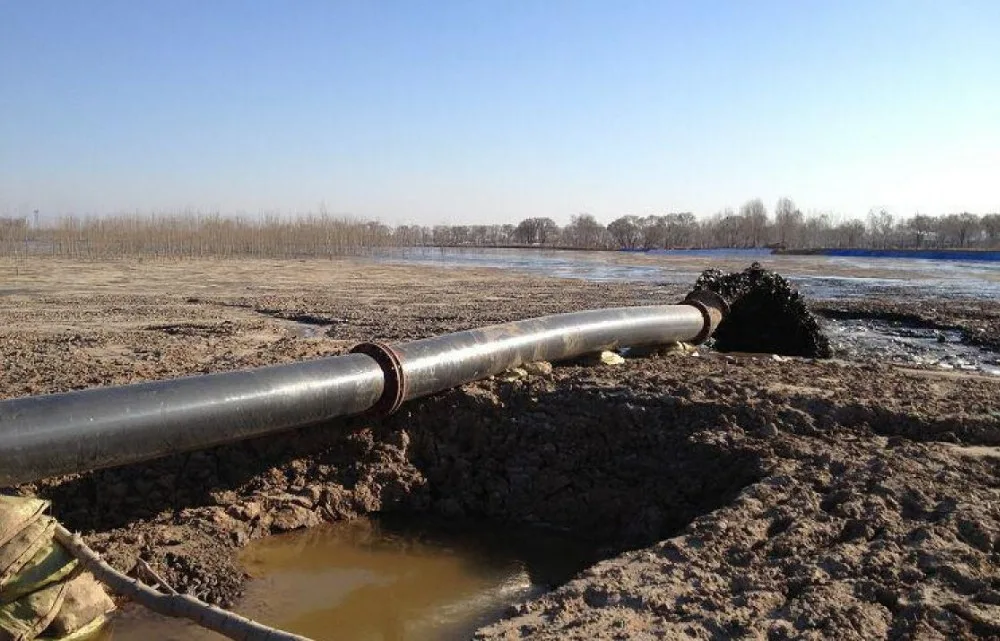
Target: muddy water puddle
[386, 580]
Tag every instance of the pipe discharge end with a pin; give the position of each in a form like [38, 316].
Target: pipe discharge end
[713, 308]
[394, 388]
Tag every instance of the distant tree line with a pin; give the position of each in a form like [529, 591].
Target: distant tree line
[190, 235]
[751, 226]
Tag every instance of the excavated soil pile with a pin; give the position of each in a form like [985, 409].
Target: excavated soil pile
[766, 314]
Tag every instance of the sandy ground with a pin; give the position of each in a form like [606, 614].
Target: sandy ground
[737, 497]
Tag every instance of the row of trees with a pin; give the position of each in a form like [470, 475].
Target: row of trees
[273, 236]
[750, 226]
[190, 236]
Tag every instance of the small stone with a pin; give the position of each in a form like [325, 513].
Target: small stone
[664, 349]
[293, 517]
[251, 510]
[767, 430]
[513, 374]
[239, 537]
[537, 368]
[171, 536]
[400, 439]
[312, 493]
[611, 358]
[226, 497]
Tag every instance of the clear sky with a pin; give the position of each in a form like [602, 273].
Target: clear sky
[491, 111]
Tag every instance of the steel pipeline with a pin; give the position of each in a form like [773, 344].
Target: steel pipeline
[431, 365]
[44, 436]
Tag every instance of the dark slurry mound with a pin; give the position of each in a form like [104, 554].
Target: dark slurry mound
[767, 314]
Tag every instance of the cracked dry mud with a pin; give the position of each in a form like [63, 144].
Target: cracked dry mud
[735, 496]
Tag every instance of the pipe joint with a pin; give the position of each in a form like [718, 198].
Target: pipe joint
[713, 308]
[394, 389]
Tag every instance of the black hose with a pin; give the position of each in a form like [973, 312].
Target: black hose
[43, 436]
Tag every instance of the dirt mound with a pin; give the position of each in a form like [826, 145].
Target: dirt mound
[766, 314]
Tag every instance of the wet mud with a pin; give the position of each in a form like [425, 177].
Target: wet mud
[976, 322]
[730, 495]
[799, 502]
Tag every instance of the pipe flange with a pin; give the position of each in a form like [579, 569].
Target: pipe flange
[394, 388]
[713, 308]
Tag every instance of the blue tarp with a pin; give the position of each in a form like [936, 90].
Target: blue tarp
[935, 254]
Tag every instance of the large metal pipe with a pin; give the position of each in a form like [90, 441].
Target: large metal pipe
[42, 436]
[45, 436]
[430, 365]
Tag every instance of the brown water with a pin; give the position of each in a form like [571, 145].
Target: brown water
[385, 581]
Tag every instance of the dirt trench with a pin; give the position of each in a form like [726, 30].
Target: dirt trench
[579, 458]
[804, 498]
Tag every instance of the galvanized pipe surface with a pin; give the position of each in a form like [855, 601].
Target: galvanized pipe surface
[42, 436]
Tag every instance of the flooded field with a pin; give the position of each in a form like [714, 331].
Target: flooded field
[392, 579]
[818, 277]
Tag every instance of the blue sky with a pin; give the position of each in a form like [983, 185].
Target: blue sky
[491, 111]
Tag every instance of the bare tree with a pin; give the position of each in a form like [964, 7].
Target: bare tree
[880, 226]
[787, 223]
[849, 234]
[682, 228]
[921, 229]
[960, 228]
[991, 226]
[626, 231]
[585, 232]
[654, 232]
[536, 231]
[754, 223]
[723, 229]
[816, 231]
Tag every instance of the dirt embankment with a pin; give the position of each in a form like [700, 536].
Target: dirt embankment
[805, 499]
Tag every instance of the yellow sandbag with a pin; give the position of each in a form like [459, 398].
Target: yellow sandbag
[16, 512]
[24, 619]
[84, 602]
[50, 564]
[85, 632]
[17, 552]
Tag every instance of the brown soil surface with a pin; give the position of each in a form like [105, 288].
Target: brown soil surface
[736, 496]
